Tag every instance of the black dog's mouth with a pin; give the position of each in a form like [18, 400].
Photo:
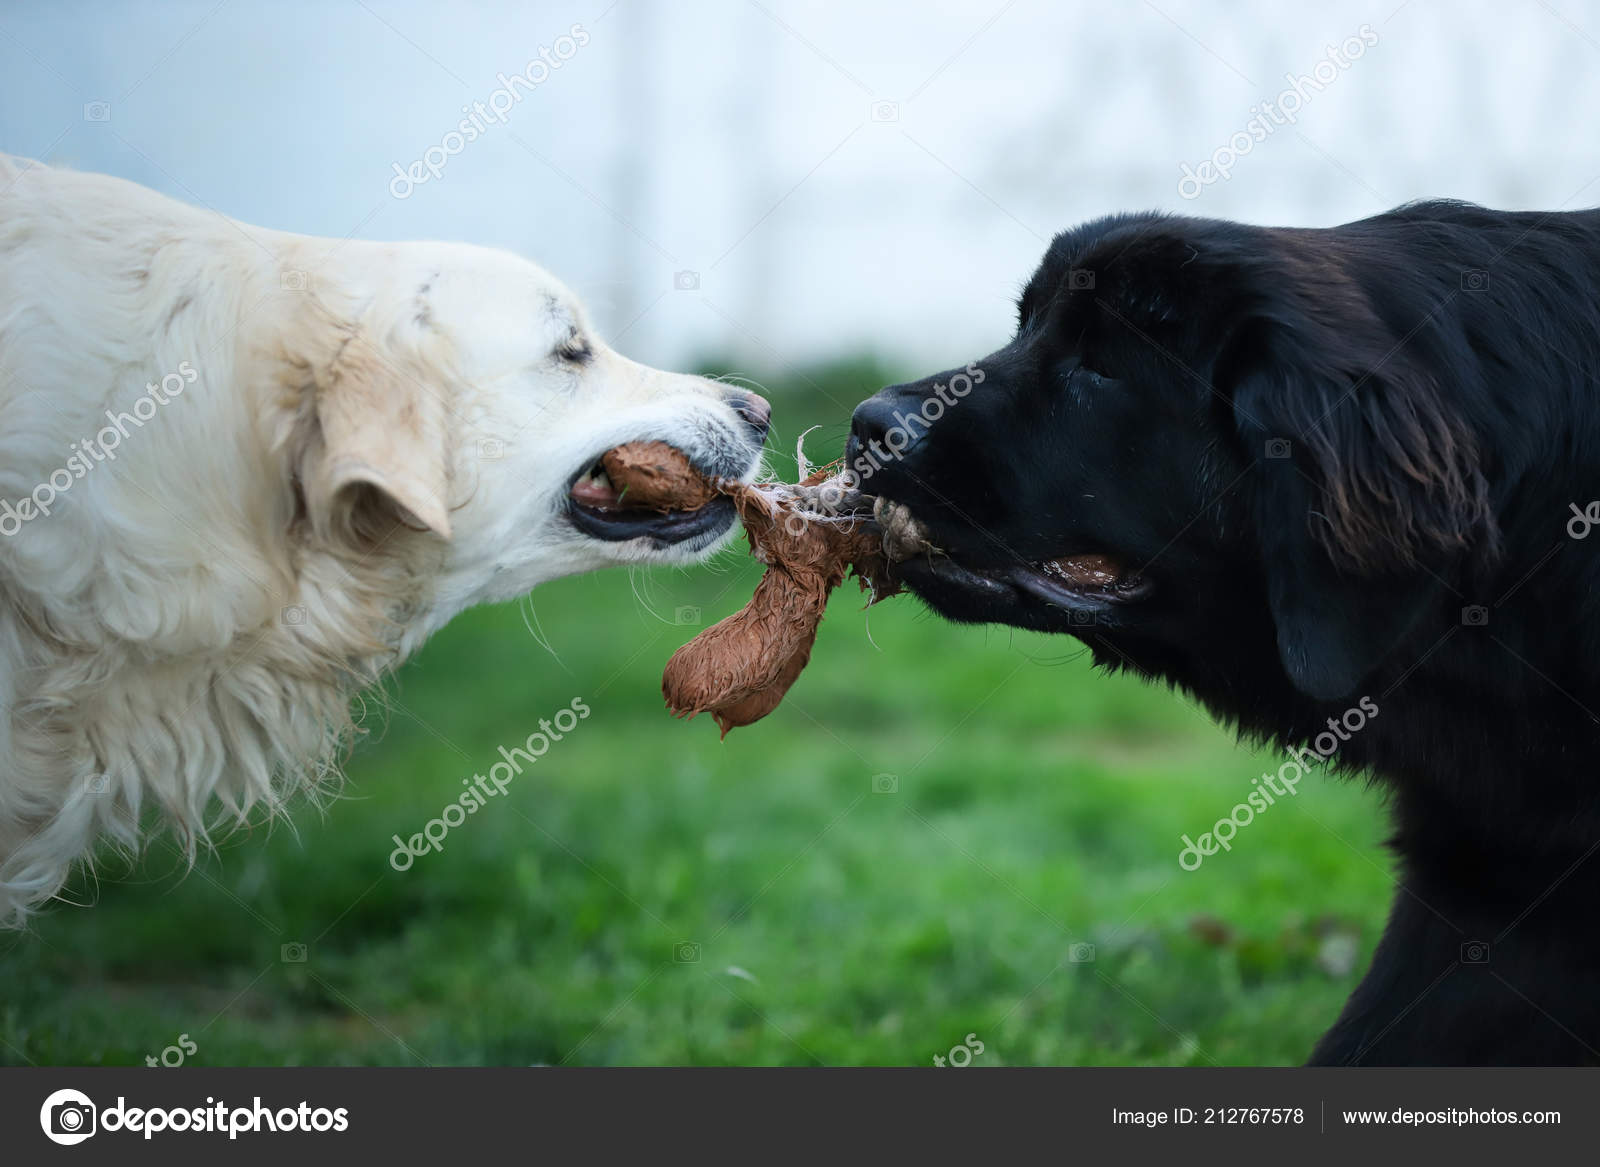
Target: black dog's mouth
[598, 510]
[1074, 583]
[1078, 579]
[1084, 582]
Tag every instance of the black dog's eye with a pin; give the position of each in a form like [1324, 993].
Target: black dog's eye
[1086, 380]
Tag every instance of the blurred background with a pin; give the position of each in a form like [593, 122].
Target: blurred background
[946, 838]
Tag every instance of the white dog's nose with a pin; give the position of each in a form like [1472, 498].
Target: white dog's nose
[755, 409]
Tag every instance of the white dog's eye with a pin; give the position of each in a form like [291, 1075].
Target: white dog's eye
[574, 349]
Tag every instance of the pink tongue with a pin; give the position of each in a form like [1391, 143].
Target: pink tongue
[591, 493]
[1085, 570]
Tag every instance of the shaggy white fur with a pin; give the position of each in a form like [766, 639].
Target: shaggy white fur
[243, 472]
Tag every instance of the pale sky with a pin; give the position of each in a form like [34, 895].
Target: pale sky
[838, 176]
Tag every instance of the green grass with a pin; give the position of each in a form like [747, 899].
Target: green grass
[1038, 807]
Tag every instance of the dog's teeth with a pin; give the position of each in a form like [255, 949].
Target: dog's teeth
[600, 478]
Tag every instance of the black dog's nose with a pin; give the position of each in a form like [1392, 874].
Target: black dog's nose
[755, 409]
[882, 419]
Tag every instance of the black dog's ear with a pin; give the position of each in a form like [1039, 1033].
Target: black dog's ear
[1366, 488]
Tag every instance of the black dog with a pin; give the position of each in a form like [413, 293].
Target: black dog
[1290, 470]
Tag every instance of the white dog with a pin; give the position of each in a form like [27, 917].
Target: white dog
[242, 473]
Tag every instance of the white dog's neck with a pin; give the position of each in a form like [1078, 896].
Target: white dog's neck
[163, 647]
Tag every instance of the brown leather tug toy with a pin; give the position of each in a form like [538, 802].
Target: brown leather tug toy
[810, 535]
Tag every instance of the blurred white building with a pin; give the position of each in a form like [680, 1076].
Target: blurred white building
[784, 180]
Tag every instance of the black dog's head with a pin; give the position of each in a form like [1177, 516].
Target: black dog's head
[1210, 450]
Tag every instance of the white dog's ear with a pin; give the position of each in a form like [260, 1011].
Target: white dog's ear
[380, 434]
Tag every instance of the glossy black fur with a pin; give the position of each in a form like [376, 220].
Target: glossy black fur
[1344, 460]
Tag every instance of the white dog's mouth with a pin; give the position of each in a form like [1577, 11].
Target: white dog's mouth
[600, 511]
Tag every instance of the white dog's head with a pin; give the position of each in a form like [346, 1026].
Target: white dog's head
[243, 473]
[467, 390]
